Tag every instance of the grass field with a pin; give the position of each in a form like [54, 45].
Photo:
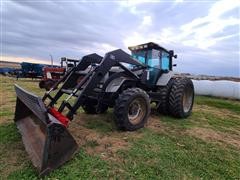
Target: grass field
[204, 146]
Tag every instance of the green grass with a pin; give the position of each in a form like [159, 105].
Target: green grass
[100, 126]
[82, 166]
[8, 133]
[214, 119]
[91, 143]
[230, 105]
[6, 113]
[101, 123]
[178, 157]
[166, 152]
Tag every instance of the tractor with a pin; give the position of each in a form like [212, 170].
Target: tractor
[126, 83]
[54, 73]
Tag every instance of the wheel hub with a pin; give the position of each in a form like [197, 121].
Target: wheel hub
[187, 100]
[136, 111]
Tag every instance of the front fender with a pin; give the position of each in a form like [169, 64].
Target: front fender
[115, 84]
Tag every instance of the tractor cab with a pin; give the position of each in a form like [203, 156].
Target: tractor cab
[157, 58]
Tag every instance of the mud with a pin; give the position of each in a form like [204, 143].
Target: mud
[104, 144]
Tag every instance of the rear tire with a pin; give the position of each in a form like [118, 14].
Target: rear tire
[181, 98]
[132, 109]
[49, 84]
[46, 84]
[91, 108]
[163, 104]
[42, 84]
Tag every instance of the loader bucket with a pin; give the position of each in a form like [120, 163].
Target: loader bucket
[45, 138]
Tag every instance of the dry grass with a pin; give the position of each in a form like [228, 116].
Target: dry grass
[206, 145]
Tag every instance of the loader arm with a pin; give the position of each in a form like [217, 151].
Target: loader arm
[114, 58]
[83, 64]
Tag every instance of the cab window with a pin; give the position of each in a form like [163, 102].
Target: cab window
[140, 56]
[153, 59]
[165, 61]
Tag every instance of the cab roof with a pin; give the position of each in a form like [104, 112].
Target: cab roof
[147, 46]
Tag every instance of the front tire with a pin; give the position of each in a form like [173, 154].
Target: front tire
[132, 109]
[181, 98]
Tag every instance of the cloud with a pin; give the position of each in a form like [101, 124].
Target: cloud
[62, 29]
[208, 44]
[178, 1]
[24, 59]
[221, 7]
[147, 21]
[131, 5]
[201, 33]
[203, 29]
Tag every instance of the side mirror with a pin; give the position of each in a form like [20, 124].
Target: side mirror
[171, 53]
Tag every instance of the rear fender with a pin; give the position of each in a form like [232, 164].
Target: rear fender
[165, 78]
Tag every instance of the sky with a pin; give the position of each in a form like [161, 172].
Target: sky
[204, 34]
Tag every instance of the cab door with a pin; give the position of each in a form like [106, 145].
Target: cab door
[165, 61]
[154, 63]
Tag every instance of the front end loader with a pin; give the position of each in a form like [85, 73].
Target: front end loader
[43, 129]
[126, 83]
[44, 134]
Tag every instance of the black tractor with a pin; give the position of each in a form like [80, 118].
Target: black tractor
[126, 83]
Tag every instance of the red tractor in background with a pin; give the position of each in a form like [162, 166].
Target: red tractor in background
[52, 74]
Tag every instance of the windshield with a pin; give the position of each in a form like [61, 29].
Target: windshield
[140, 56]
[153, 58]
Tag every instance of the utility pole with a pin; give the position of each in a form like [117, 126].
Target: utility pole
[51, 59]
